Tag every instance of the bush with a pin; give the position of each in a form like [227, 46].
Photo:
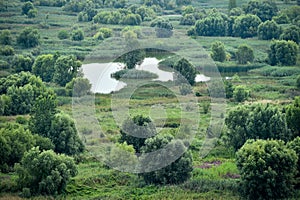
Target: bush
[7, 51]
[268, 30]
[244, 54]
[185, 89]
[63, 34]
[291, 33]
[44, 173]
[27, 7]
[293, 116]
[29, 37]
[218, 51]
[77, 35]
[246, 26]
[5, 37]
[283, 52]
[212, 25]
[163, 28]
[240, 93]
[32, 13]
[22, 63]
[265, 10]
[295, 145]
[267, 169]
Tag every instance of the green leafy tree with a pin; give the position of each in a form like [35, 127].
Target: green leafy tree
[283, 52]
[44, 67]
[213, 25]
[267, 169]
[185, 69]
[146, 13]
[268, 30]
[77, 35]
[218, 51]
[132, 19]
[42, 114]
[240, 93]
[135, 131]
[7, 51]
[64, 136]
[22, 63]
[228, 89]
[27, 7]
[265, 10]
[45, 173]
[244, 54]
[295, 145]
[163, 28]
[187, 19]
[5, 37]
[29, 37]
[178, 171]
[79, 86]
[32, 13]
[291, 33]
[293, 116]
[246, 26]
[65, 69]
[63, 34]
[255, 122]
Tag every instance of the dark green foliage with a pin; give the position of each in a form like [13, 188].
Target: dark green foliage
[240, 93]
[77, 35]
[43, 143]
[44, 67]
[283, 52]
[267, 169]
[122, 16]
[5, 37]
[293, 116]
[45, 172]
[29, 37]
[255, 121]
[22, 63]
[295, 145]
[185, 69]
[291, 33]
[228, 89]
[132, 19]
[183, 2]
[65, 69]
[292, 12]
[27, 7]
[64, 136]
[7, 50]
[32, 13]
[146, 13]
[177, 172]
[163, 28]
[79, 86]
[244, 54]
[188, 19]
[132, 58]
[214, 24]
[282, 18]
[55, 3]
[63, 34]
[135, 131]
[268, 30]
[246, 26]
[42, 114]
[218, 51]
[265, 10]
[298, 82]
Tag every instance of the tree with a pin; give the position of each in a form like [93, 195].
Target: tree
[65, 69]
[63, 34]
[244, 54]
[32, 13]
[293, 116]
[255, 122]
[185, 69]
[268, 30]
[187, 19]
[29, 37]
[27, 7]
[7, 51]
[246, 26]
[218, 51]
[163, 28]
[64, 136]
[132, 19]
[265, 10]
[267, 169]
[77, 35]
[228, 89]
[22, 63]
[232, 4]
[44, 67]
[240, 93]
[79, 86]
[45, 173]
[42, 114]
[178, 171]
[212, 25]
[135, 131]
[295, 145]
[5, 37]
[283, 52]
[291, 33]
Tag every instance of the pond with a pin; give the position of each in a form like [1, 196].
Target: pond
[99, 75]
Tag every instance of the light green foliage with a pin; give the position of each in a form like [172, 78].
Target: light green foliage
[267, 169]
[7, 50]
[246, 26]
[163, 27]
[291, 33]
[146, 13]
[32, 13]
[218, 51]
[265, 10]
[244, 54]
[77, 35]
[283, 52]
[214, 24]
[64, 136]
[5, 37]
[22, 63]
[44, 67]
[65, 69]
[136, 130]
[240, 93]
[79, 86]
[29, 37]
[293, 116]
[186, 70]
[178, 171]
[255, 121]
[103, 33]
[45, 172]
[268, 30]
